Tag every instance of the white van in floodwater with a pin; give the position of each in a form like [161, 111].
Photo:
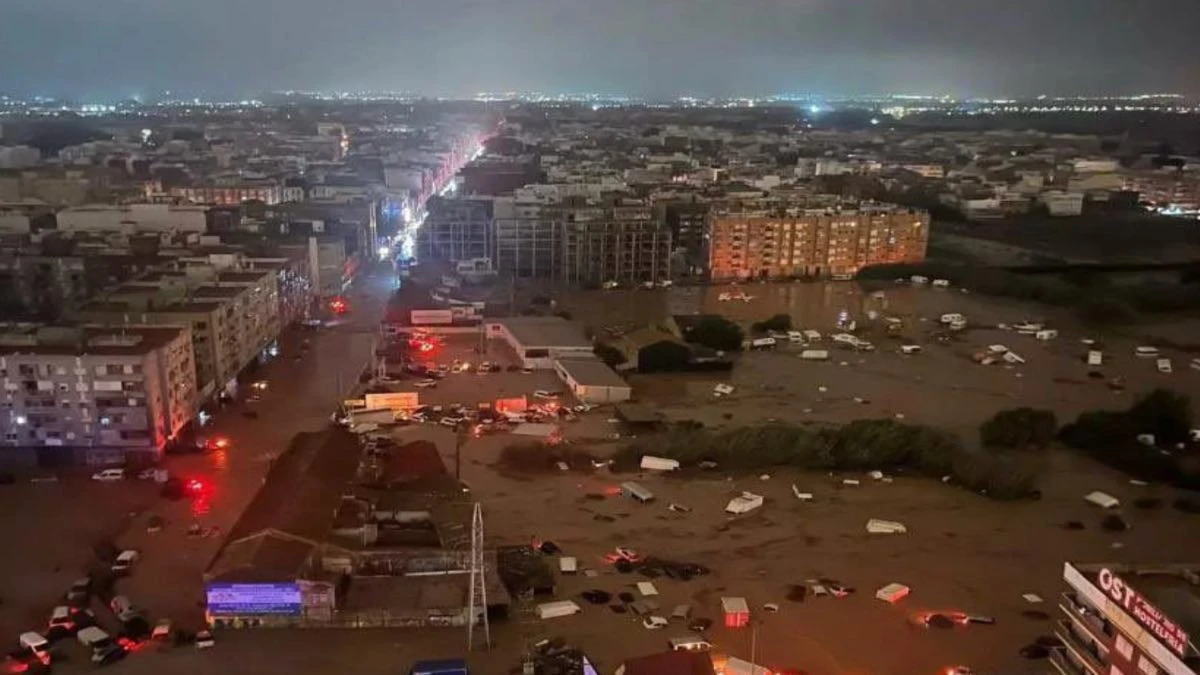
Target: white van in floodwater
[1145, 352]
[762, 343]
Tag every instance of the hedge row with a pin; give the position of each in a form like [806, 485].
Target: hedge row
[863, 445]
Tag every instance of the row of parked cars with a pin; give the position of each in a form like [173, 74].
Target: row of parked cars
[74, 617]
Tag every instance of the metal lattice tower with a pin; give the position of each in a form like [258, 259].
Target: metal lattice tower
[477, 601]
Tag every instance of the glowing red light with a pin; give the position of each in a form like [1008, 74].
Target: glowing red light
[195, 485]
[221, 442]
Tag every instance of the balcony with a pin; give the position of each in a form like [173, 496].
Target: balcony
[1084, 619]
[1092, 656]
[1063, 663]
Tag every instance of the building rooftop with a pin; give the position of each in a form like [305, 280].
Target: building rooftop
[680, 662]
[218, 291]
[546, 331]
[248, 275]
[302, 489]
[591, 373]
[1173, 588]
[85, 340]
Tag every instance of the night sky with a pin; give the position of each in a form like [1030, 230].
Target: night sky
[121, 48]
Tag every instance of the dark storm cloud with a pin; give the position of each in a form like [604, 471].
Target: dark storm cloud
[649, 47]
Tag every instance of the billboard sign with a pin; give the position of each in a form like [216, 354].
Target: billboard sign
[393, 400]
[431, 317]
[243, 599]
[1150, 617]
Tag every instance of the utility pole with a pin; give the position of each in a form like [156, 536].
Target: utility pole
[460, 437]
[477, 600]
[754, 648]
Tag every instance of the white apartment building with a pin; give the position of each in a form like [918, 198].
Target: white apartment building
[94, 395]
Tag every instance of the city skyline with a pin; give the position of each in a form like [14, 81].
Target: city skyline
[654, 48]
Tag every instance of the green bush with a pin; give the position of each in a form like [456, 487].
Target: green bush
[609, 354]
[536, 457]
[1019, 428]
[1164, 413]
[1111, 437]
[718, 333]
[996, 476]
[779, 322]
[862, 445]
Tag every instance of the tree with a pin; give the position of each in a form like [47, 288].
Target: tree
[1164, 413]
[664, 357]
[779, 322]
[716, 332]
[609, 354]
[1098, 430]
[1019, 428]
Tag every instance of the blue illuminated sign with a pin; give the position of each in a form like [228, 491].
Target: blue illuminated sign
[242, 599]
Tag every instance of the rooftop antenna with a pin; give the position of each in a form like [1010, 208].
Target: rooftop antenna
[477, 602]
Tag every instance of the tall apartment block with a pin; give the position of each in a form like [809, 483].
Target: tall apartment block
[575, 238]
[617, 241]
[456, 229]
[232, 316]
[1126, 619]
[778, 241]
[94, 395]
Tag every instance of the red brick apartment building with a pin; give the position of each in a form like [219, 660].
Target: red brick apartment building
[775, 242]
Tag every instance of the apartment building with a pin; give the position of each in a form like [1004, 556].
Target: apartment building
[456, 229]
[528, 237]
[771, 240]
[579, 237]
[688, 223]
[134, 218]
[1166, 188]
[294, 281]
[232, 317]
[615, 241]
[94, 395]
[268, 192]
[44, 285]
[1125, 619]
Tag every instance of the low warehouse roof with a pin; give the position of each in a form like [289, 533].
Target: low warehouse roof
[546, 331]
[591, 373]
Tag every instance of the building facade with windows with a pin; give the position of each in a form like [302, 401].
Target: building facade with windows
[456, 229]
[95, 395]
[1123, 619]
[772, 241]
[267, 192]
[232, 318]
[580, 239]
